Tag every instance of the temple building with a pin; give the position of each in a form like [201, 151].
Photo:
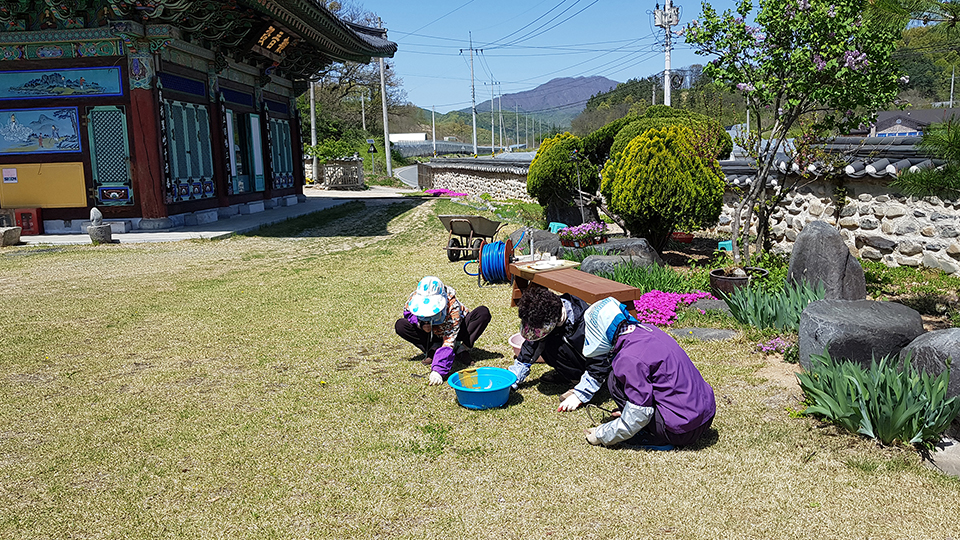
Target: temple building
[160, 113]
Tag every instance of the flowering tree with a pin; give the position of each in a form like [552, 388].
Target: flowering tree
[825, 60]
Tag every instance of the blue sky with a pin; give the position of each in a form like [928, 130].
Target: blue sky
[524, 44]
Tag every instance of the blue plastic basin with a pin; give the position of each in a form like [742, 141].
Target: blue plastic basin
[493, 388]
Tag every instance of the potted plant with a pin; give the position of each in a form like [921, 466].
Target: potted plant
[726, 280]
[584, 234]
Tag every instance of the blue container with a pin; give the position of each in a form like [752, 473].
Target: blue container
[493, 388]
[726, 245]
[554, 226]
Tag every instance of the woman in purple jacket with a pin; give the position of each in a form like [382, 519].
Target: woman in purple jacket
[662, 397]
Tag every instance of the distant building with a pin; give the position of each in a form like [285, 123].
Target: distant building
[910, 123]
[414, 137]
[451, 139]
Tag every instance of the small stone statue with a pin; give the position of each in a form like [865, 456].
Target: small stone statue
[99, 233]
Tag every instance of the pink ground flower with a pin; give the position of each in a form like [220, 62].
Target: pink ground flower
[660, 307]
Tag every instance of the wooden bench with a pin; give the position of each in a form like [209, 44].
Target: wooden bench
[583, 285]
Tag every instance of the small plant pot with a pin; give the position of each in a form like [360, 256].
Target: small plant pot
[724, 284]
[682, 237]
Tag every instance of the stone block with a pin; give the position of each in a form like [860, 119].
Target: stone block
[865, 197]
[815, 208]
[873, 254]
[937, 216]
[909, 247]
[953, 250]
[888, 227]
[270, 203]
[878, 242]
[118, 226]
[848, 210]
[894, 210]
[869, 223]
[289, 200]
[857, 330]
[907, 261]
[928, 231]
[919, 213]
[791, 235]
[253, 207]
[156, 224]
[100, 234]
[907, 227]
[202, 217]
[228, 211]
[882, 198]
[9, 236]
[948, 231]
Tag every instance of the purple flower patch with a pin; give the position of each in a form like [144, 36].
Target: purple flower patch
[660, 307]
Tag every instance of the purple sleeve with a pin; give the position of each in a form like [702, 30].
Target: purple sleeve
[443, 361]
[411, 318]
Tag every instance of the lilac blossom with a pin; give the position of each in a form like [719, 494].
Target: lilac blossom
[775, 345]
[855, 60]
[819, 62]
[803, 5]
[832, 12]
[745, 87]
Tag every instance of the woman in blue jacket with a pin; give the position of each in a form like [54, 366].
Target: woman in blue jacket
[662, 397]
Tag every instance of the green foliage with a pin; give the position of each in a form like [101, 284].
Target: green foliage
[941, 141]
[650, 277]
[712, 137]
[658, 184]
[580, 254]
[596, 146]
[882, 402]
[780, 310]
[554, 174]
[330, 149]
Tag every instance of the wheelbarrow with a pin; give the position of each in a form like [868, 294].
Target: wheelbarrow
[471, 233]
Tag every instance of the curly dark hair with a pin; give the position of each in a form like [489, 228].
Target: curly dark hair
[538, 306]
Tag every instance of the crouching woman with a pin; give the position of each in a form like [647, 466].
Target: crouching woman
[663, 399]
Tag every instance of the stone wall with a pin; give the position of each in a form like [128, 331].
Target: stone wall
[876, 223]
[500, 182]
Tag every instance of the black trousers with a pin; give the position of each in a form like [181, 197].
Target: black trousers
[471, 328]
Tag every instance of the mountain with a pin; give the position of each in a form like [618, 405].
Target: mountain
[556, 102]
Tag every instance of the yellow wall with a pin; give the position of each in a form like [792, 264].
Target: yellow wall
[43, 185]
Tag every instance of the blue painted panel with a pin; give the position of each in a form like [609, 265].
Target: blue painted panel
[61, 83]
[39, 131]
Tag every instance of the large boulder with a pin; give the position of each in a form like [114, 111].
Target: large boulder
[820, 255]
[932, 351]
[630, 246]
[543, 241]
[9, 236]
[935, 352]
[858, 330]
[596, 264]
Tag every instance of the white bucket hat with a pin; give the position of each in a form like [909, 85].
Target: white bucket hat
[601, 322]
[429, 301]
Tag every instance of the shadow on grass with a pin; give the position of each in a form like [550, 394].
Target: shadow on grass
[368, 221]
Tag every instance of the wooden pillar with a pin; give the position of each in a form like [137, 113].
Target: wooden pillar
[147, 162]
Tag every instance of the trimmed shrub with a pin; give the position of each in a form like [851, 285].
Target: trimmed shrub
[658, 184]
[596, 146]
[710, 134]
[882, 402]
[552, 178]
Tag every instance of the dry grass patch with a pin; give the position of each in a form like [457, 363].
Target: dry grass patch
[254, 388]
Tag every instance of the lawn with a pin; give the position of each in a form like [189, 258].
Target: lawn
[253, 387]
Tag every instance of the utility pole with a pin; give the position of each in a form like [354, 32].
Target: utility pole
[516, 114]
[434, 109]
[313, 129]
[383, 99]
[526, 131]
[493, 131]
[473, 96]
[665, 18]
[653, 92]
[500, 106]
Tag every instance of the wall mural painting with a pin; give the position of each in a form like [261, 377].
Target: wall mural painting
[36, 131]
[61, 83]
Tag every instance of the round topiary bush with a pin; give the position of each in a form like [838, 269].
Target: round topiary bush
[711, 135]
[552, 178]
[659, 183]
